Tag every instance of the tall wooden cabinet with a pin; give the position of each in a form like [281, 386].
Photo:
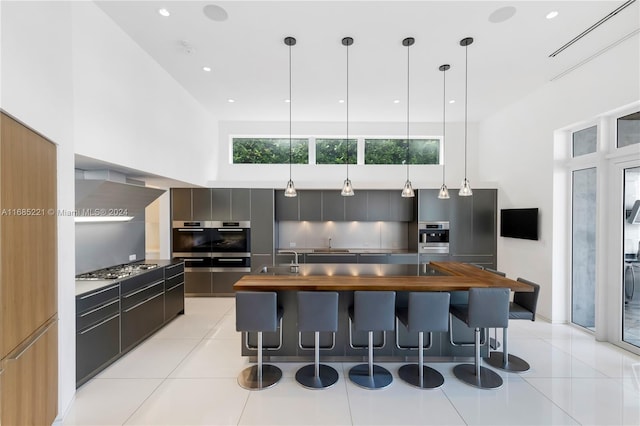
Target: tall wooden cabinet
[28, 288]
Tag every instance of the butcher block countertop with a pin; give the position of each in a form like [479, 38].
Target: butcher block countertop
[435, 276]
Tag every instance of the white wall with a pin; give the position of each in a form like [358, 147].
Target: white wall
[37, 88]
[516, 149]
[131, 112]
[332, 176]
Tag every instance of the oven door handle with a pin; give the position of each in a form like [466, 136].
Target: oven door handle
[193, 259]
[190, 230]
[235, 259]
[229, 229]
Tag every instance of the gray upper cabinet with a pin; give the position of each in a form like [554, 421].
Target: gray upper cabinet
[262, 219]
[401, 209]
[241, 204]
[310, 203]
[201, 202]
[431, 208]
[181, 204]
[333, 205]
[485, 220]
[355, 207]
[378, 207]
[220, 204]
[461, 224]
[286, 207]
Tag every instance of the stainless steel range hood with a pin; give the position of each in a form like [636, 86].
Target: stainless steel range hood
[113, 192]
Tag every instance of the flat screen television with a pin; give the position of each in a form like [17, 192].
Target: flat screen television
[519, 223]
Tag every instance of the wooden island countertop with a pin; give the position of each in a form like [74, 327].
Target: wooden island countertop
[436, 276]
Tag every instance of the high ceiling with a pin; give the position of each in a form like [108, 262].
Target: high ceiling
[249, 60]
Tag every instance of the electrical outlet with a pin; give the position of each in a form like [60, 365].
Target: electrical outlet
[292, 244]
[132, 257]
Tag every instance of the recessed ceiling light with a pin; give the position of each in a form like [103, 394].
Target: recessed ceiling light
[286, 101]
[552, 14]
[452, 101]
[396, 101]
[215, 13]
[231, 100]
[164, 12]
[502, 14]
[207, 69]
[341, 101]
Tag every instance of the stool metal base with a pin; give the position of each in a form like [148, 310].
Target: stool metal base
[248, 378]
[514, 364]
[381, 378]
[487, 380]
[327, 376]
[431, 378]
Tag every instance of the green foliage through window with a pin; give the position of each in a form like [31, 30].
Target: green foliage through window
[270, 151]
[334, 151]
[394, 151]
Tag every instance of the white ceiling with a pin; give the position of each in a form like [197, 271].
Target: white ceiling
[249, 60]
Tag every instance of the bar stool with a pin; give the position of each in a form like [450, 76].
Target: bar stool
[257, 311]
[494, 271]
[426, 312]
[371, 311]
[493, 341]
[317, 311]
[523, 307]
[488, 307]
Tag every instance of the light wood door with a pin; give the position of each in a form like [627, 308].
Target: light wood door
[28, 290]
[30, 380]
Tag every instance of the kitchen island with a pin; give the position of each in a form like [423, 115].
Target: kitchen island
[454, 277]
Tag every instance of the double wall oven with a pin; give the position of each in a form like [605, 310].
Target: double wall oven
[213, 246]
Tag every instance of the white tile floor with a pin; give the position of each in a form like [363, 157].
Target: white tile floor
[186, 375]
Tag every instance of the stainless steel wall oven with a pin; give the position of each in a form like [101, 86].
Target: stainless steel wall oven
[433, 237]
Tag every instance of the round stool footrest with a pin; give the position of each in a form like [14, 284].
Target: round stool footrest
[514, 364]
[381, 378]
[431, 378]
[248, 377]
[487, 380]
[327, 376]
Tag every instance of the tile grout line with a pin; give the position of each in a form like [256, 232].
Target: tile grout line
[346, 390]
[549, 399]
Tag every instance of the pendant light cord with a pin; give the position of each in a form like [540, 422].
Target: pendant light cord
[290, 101]
[347, 102]
[466, 84]
[444, 117]
[407, 158]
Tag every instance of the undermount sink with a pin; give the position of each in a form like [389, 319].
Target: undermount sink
[330, 250]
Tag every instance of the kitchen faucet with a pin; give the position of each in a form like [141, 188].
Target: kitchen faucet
[294, 265]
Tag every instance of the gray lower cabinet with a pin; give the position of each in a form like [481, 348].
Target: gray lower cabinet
[260, 260]
[142, 304]
[373, 258]
[223, 282]
[97, 331]
[404, 258]
[198, 283]
[173, 291]
[330, 258]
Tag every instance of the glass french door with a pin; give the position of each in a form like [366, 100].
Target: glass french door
[631, 259]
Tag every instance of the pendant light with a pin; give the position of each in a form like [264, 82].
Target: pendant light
[347, 188]
[290, 190]
[407, 190]
[444, 191]
[465, 189]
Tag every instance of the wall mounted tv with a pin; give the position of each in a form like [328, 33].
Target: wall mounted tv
[519, 223]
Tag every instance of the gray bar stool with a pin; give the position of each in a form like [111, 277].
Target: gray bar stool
[257, 311]
[493, 341]
[371, 311]
[523, 307]
[317, 311]
[426, 312]
[488, 307]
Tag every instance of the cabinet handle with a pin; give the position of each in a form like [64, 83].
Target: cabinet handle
[191, 230]
[98, 292]
[173, 276]
[100, 323]
[142, 303]
[175, 286]
[194, 260]
[143, 289]
[98, 308]
[229, 230]
[33, 341]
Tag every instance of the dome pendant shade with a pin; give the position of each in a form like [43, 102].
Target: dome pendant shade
[465, 189]
[347, 189]
[407, 191]
[444, 192]
[290, 190]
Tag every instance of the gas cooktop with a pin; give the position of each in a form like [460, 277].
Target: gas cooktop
[116, 272]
